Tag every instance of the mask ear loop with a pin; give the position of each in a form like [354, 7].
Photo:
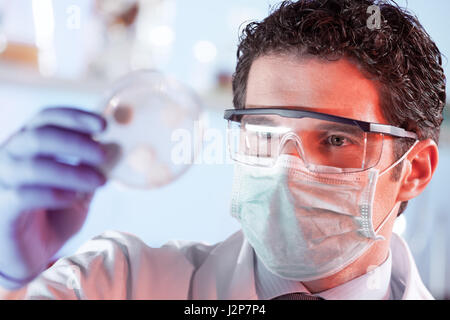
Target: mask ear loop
[399, 160]
[378, 237]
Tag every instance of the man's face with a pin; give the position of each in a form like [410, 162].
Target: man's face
[336, 88]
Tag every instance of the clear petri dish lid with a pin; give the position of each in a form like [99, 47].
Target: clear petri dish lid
[155, 129]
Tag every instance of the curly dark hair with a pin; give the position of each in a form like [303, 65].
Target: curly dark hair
[399, 55]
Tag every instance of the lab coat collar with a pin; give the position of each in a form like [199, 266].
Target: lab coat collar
[398, 272]
[406, 283]
[373, 285]
[228, 273]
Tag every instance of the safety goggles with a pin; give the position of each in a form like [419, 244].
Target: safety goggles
[324, 142]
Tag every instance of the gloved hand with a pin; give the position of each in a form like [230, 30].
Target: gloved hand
[44, 193]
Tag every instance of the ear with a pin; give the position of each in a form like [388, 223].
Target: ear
[418, 169]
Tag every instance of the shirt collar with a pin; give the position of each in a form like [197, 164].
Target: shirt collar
[373, 285]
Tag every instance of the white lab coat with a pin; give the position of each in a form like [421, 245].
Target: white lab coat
[118, 265]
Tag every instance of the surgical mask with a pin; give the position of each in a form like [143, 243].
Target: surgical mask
[302, 225]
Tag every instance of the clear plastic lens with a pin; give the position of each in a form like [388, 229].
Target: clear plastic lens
[249, 148]
[144, 110]
[319, 143]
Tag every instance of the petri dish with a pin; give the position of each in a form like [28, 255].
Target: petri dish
[154, 129]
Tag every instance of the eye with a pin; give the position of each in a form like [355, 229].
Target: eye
[336, 141]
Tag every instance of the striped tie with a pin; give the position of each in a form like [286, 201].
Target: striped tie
[298, 296]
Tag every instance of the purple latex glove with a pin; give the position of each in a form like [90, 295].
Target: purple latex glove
[44, 200]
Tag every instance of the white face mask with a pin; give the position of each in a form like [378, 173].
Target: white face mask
[302, 225]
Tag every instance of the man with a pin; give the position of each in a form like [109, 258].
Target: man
[335, 128]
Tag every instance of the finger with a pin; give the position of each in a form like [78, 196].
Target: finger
[49, 173]
[38, 197]
[70, 118]
[56, 142]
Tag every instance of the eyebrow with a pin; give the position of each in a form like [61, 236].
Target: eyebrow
[341, 127]
[259, 119]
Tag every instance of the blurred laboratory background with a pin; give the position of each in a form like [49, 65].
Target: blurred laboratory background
[69, 52]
